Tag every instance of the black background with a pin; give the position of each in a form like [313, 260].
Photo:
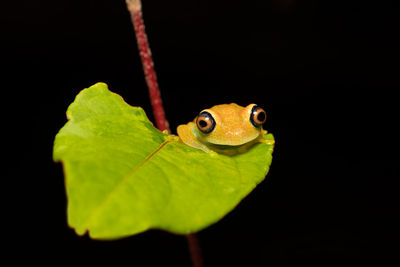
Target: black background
[325, 71]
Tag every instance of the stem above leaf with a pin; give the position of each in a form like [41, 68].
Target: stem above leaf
[135, 9]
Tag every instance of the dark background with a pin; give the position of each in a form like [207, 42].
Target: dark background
[325, 71]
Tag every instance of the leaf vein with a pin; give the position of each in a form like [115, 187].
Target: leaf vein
[123, 181]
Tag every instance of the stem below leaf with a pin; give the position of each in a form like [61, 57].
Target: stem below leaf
[195, 251]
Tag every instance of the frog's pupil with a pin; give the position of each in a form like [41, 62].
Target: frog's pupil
[202, 123]
[261, 116]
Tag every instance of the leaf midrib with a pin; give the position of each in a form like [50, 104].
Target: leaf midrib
[123, 181]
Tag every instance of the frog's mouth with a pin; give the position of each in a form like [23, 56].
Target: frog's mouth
[228, 141]
[233, 149]
[224, 147]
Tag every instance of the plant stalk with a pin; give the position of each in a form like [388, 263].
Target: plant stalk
[135, 9]
[195, 251]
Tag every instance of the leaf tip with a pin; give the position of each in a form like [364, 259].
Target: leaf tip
[97, 87]
[80, 231]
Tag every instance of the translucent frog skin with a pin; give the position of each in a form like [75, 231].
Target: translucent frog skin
[227, 129]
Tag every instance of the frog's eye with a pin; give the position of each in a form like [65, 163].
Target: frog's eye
[205, 122]
[257, 116]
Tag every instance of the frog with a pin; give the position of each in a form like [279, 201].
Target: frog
[225, 129]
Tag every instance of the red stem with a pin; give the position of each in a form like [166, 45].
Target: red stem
[195, 251]
[135, 9]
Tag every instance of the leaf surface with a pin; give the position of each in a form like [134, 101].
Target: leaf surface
[123, 176]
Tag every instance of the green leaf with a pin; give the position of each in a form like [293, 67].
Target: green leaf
[123, 176]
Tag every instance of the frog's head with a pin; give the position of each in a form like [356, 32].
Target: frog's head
[230, 124]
